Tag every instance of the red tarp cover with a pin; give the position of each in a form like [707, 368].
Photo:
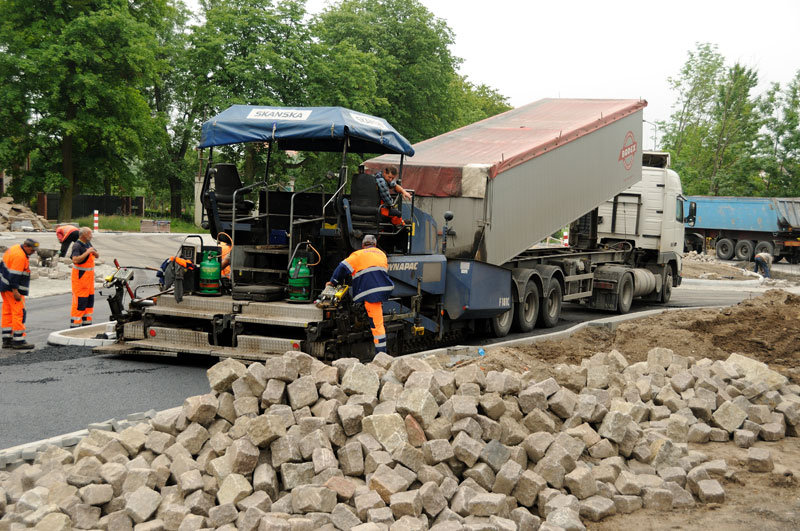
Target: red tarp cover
[503, 141]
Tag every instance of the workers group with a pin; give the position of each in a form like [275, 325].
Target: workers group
[15, 277]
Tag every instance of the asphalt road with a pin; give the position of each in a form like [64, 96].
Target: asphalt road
[56, 390]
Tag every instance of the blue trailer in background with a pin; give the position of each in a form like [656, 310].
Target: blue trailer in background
[740, 227]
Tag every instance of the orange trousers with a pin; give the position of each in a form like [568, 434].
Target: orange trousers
[82, 298]
[13, 317]
[375, 312]
[393, 214]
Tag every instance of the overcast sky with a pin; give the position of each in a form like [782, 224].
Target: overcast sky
[531, 49]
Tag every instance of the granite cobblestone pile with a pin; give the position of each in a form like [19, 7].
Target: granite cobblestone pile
[295, 444]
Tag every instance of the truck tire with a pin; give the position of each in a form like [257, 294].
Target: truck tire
[501, 324]
[550, 309]
[527, 311]
[764, 247]
[625, 294]
[666, 289]
[724, 249]
[744, 250]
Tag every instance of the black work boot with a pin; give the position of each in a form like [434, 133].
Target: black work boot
[22, 345]
[6, 342]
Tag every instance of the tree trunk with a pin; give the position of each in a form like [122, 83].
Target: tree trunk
[175, 196]
[68, 171]
[249, 164]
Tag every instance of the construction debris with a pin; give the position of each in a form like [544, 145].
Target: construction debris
[19, 218]
[405, 443]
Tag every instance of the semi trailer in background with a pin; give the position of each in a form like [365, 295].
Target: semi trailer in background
[740, 227]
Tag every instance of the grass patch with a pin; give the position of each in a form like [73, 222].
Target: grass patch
[132, 223]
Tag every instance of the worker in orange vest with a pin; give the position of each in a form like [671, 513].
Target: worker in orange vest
[371, 284]
[225, 256]
[83, 255]
[66, 234]
[15, 278]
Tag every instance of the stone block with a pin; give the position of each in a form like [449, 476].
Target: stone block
[222, 375]
[388, 430]
[595, 508]
[282, 368]
[142, 503]
[729, 416]
[744, 438]
[614, 426]
[368, 501]
[312, 498]
[418, 403]
[566, 519]
[264, 429]
[495, 454]
[296, 474]
[507, 477]
[759, 460]
[528, 487]
[223, 514]
[343, 517]
[323, 459]
[233, 488]
[386, 482]
[302, 392]
[359, 379]
[408, 503]
[487, 504]
[710, 491]
[581, 483]
[437, 450]
[659, 499]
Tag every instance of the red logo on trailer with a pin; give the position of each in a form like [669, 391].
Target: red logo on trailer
[628, 150]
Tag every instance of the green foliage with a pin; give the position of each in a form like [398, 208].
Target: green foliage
[133, 223]
[778, 153]
[77, 69]
[714, 126]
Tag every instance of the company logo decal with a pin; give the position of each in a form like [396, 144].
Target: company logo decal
[628, 150]
[292, 115]
[403, 266]
[370, 121]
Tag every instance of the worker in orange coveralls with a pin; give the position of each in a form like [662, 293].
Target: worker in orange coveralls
[66, 234]
[15, 278]
[83, 255]
[371, 284]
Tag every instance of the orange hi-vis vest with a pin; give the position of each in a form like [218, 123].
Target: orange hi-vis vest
[15, 270]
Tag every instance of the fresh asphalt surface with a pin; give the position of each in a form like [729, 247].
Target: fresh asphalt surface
[55, 390]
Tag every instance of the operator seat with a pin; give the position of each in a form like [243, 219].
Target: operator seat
[226, 182]
[365, 203]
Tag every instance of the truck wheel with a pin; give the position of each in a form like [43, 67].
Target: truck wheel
[666, 289]
[724, 249]
[550, 309]
[625, 294]
[744, 250]
[527, 311]
[501, 324]
[764, 247]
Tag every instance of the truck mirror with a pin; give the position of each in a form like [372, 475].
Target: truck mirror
[690, 219]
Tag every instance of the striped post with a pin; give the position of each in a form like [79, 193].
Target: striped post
[565, 239]
[96, 220]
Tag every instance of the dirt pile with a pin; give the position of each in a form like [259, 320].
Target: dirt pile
[16, 217]
[765, 328]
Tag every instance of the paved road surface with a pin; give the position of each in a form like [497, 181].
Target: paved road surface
[56, 390]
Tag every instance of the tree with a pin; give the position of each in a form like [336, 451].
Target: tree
[779, 141]
[712, 131]
[77, 69]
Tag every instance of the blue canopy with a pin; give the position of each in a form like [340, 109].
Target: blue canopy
[304, 129]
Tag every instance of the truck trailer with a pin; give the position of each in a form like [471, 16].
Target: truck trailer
[500, 186]
[740, 227]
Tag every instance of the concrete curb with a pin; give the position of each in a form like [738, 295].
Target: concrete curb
[723, 283]
[84, 336]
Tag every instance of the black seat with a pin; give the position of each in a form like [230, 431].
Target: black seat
[364, 198]
[226, 182]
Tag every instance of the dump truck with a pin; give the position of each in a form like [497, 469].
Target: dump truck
[499, 186]
[740, 227]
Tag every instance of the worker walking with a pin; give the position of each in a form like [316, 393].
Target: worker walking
[67, 235]
[764, 262]
[15, 278]
[386, 182]
[83, 255]
[371, 284]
